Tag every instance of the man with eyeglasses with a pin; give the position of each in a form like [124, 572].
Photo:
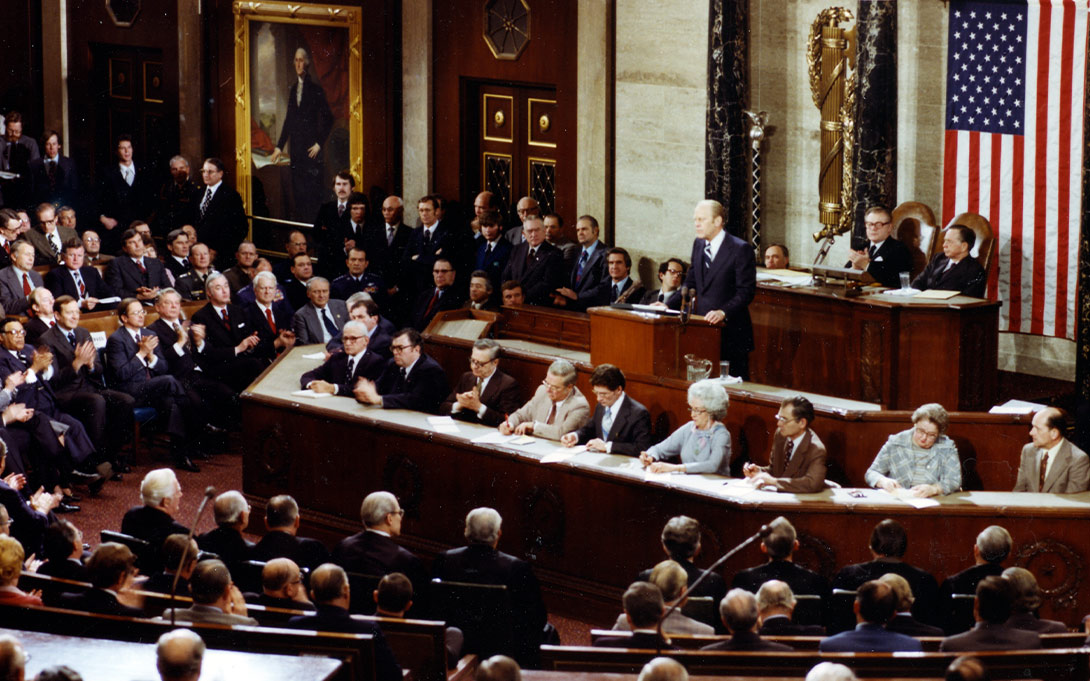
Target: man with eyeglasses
[621, 425]
[411, 380]
[884, 257]
[49, 238]
[671, 274]
[92, 247]
[797, 460]
[442, 296]
[555, 409]
[535, 263]
[484, 394]
[338, 374]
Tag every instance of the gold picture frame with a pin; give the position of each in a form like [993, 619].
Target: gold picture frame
[268, 36]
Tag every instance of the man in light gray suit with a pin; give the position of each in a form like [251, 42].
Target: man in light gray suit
[321, 319]
[19, 279]
[216, 599]
[1051, 463]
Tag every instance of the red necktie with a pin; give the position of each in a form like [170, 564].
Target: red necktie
[431, 303]
[140, 264]
[1044, 469]
[268, 318]
[7, 247]
[26, 285]
[226, 319]
[552, 415]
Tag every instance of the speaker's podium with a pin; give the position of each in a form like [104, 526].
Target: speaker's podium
[649, 342]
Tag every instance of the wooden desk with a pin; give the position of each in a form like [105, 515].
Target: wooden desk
[99, 660]
[900, 353]
[591, 523]
[651, 344]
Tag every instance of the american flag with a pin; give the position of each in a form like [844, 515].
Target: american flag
[1015, 80]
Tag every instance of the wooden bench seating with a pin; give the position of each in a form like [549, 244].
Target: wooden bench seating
[1060, 664]
[356, 651]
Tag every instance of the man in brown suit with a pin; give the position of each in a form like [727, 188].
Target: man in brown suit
[797, 461]
[484, 394]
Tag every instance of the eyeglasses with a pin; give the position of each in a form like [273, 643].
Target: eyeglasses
[554, 388]
[400, 348]
[697, 410]
[677, 272]
[926, 435]
[16, 332]
[352, 339]
[399, 512]
[478, 364]
[875, 224]
[784, 419]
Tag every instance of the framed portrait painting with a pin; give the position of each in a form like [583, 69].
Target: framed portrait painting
[297, 110]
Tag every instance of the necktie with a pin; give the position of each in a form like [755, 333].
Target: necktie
[54, 244]
[340, 210]
[51, 170]
[582, 263]
[607, 423]
[72, 338]
[480, 386]
[206, 201]
[662, 297]
[427, 237]
[7, 247]
[530, 256]
[788, 449]
[708, 257]
[871, 251]
[185, 263]
[1044, 469]
[129, 175]
[432, 303]
[328, 321]
[389, 235]
[552, 414]
[351, 370]
[26, 285]
[488, 252]
[269, 319]
[140, 264]
[404, 380]
[52, 323]
[226, 319]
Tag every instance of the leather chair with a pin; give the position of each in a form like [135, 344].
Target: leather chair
[915, 226]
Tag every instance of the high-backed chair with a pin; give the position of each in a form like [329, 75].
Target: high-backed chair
[915, 226]
[985, 238]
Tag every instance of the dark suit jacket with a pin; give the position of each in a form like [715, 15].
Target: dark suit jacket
[43, 252]
[34, 328]
[228, 543]
[924, 587]
[98, 601]
[603, 294]
[985, 636]
[630, 432]
[541, 277]
[778, 625]
[67, 380]
[387, 256]
[417, 258]
[151, 525]
[423, 389]
[801, 580]
[747, 640]
[328, 227]
[869, 638]
[65, 569]
[639, 640]
[888, 263]
[501, 397]
[729, 285]
[11, 290]
[805, 472]
[966, 276]
[334, 370]
[163, 582]
[125, 372]
[306, 124]
[910, 626]
[333, 618]
[268, 601]
[180, 366]
[282, 317]
[224, 224]
[60, 282]
[494, 263]
[371, 553]
[124, 277]
[124, 203]
[306, 552]
[479, 564]
[220, 341]
[594, 270]
[449, 300]
[65, 186]
[1030, 622]
[27, 524]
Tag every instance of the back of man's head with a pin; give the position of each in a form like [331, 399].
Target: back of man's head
[966, 668]
[327, 583]
[780, 543]
[209, 581]
[738, 610]
[109, 563]
[876, 602]
[681, 537]
[174, 546]
[1024, 589]
[902, 590]
[830, 671]
[375, 507]
[663, 669]
[281, 512]
[483, 526]
[643, 604]
[179, 654]
[12, 658]
[498, 668]
[993, 544]
[229, 507]
[994, 600]
[394, 593]
[277, 574]
[157, 485]
[889, 538]
[670, 578]
[775, 594]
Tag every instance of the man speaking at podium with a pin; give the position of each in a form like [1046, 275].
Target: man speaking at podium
[724, 275]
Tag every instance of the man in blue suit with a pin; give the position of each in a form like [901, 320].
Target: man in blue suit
[494, 250]
[724, 274]
[875, 604]
[589, 270]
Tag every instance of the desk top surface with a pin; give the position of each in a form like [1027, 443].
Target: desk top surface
[101, 660]
[282, 380]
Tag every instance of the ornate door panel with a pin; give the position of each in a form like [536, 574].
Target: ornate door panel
[512, 135]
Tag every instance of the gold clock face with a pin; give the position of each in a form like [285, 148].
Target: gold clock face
[506, 27]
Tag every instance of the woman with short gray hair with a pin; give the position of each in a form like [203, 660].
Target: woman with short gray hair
[921, 459]
[703, 444]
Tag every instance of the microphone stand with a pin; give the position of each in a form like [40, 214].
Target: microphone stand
[209, 492]
[761, 534]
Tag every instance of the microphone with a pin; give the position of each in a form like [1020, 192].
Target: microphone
[685, 306]
[209, 493]
[760, 534]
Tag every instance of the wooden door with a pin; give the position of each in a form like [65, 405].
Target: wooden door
[512, 138]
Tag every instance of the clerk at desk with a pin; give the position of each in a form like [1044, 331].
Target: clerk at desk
[555, 409]
[621, 425]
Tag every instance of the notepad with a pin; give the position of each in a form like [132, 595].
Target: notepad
[310, 394]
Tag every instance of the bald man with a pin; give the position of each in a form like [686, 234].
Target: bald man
[1051, 463]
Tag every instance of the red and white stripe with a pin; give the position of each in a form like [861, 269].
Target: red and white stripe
[1029, 187]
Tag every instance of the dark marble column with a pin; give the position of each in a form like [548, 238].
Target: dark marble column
[875, 171]
[1082, 302]
[726, 168]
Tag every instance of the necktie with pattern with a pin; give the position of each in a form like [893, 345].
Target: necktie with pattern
[607, 423]
[1044, 469]
[579, 268]
[788, 450]
[206, 201]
